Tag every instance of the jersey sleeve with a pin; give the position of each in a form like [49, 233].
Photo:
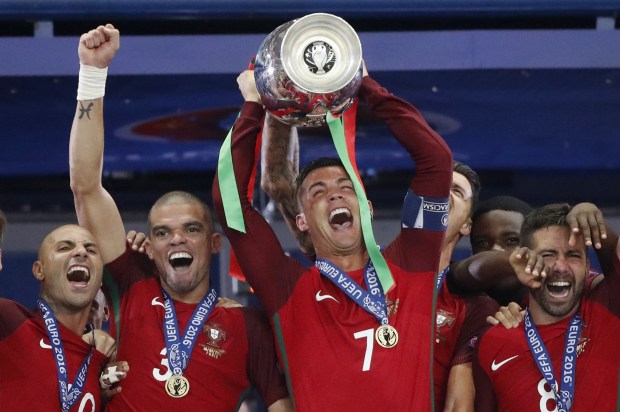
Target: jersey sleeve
[478, 307]
[263, 369]
[418, 246]
[12, 315]
[127, 269]
[431, 154]
[118, 277]
[269, 271]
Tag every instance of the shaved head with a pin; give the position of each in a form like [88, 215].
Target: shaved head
[51, 237]
[183, 198]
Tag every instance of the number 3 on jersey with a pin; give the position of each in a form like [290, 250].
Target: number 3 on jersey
[162, 377]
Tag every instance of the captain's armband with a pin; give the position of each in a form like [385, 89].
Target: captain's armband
[428, 213]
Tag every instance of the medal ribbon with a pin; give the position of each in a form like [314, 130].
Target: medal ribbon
[372, 301]
[68, 397]
[564, 397]
[226, 178]
[179, 350]
[337, 129]
[441, 277]
[228, 186]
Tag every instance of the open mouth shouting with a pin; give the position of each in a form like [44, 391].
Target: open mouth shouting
[340, 218]
[558, 289]
[78, 275]
[180, 260]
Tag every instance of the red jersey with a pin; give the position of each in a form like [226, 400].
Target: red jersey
[459, 320]
[326, 341]
[507, 378]
[28, 374]
[234, 351]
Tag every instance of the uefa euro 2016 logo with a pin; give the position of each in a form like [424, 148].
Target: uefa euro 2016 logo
[320, 57]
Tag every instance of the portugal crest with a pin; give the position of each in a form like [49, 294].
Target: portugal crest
[444, 318]
[216, 337]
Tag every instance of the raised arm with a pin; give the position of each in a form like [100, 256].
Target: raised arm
[279, 169]
[483, 270]
[270, 272]
[94, 206]
[418, 247]
[431, 154]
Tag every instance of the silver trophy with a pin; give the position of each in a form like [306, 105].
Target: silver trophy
[307, 67]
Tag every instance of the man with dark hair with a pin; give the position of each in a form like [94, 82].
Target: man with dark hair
[460, 318]
[472, 178]
[335, 353]
[496, 224]
[185, 352]
[565, 356]
[45, 361]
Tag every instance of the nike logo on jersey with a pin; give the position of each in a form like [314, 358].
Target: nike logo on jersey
[496, 366]
[320, 297]
[45, 345]
[155, 302]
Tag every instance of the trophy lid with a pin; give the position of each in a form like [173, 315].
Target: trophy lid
[321, 53]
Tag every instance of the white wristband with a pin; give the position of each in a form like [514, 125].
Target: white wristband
[91, 84]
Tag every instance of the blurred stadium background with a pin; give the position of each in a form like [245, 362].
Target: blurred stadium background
[526, 92]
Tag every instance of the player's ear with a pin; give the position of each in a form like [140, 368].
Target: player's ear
[37, 270]
[372, 211]
[216, 242]
[300, 221]
[148, 248]
[465, 229]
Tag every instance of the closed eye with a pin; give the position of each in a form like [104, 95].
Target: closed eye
[574, 254]
[457, 191]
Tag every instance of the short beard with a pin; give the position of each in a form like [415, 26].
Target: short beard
[555, 310]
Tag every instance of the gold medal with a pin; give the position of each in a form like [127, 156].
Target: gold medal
[177, 386]
[386, 336]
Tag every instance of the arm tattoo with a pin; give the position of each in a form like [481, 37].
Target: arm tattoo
[85, 111]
